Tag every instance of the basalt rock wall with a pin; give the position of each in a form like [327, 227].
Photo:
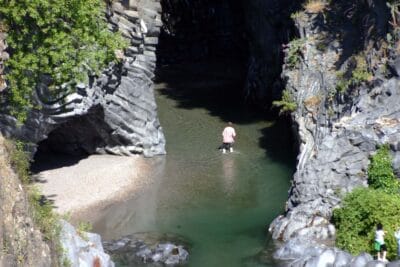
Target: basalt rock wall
[267, 26]
[116, 112]
[338, 130]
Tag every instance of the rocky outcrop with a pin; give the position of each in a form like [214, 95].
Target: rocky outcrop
[84, 248]
[21, 242]
[337, 131]
[116, 112]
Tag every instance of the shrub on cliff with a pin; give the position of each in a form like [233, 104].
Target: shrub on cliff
[54, 43]
[287, 103]
[352, 78]
[356, 220]
[294, 53]
[380, 172]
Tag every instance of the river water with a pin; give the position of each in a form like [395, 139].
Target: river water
[220, 203]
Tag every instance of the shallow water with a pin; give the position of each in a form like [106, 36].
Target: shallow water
[220, 203]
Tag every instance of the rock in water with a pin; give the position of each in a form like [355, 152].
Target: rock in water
[148, 248]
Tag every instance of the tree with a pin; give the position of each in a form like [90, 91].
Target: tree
[56, 44]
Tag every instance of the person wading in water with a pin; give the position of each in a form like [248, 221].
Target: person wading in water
[228, 138]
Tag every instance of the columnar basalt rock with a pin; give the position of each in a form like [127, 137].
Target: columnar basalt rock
[116, 112]
[337, 132]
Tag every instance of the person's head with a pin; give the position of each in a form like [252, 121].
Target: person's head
[230, 123]
[379, 226]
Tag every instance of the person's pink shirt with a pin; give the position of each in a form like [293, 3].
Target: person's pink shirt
[228, 135]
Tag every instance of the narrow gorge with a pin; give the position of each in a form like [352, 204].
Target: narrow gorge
[312, 79]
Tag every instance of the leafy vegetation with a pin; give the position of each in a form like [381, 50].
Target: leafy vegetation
[294, 53]
[287, 103]
[19, 159]
[363, 208]
[356, 220]
[43, 214]
[359, 75]
[82, 228]
[380, 172]
[56, 44]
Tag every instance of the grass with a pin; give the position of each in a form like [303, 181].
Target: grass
[315, 6]
[19, 159]
[353, 78]
[82, 228]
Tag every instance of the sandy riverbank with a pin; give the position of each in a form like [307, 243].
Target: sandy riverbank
[90, 184]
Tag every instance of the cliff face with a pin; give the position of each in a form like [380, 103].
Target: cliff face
[267, 27]
[338, 129]
[22, 243]
[116, 112]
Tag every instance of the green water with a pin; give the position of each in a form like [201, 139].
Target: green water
[220, 203]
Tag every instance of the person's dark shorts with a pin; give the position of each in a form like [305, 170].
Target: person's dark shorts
[227, 145]
[383, 247]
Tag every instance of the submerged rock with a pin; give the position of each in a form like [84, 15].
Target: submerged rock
[148, 248]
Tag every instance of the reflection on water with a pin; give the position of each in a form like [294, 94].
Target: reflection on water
[116, 221]
[228, 173]
[221, 203]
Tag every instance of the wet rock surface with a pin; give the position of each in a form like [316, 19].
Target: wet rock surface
[151, 249]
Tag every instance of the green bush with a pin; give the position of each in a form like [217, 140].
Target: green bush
[294, 53]
[380, 172]
[56, 43]
[358, 75]
[356, 220]
[287, 103]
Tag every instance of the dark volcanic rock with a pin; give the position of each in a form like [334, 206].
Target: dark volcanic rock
[337, 134]
[116, 112]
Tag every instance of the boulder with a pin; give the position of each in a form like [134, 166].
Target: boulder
[83, 251]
